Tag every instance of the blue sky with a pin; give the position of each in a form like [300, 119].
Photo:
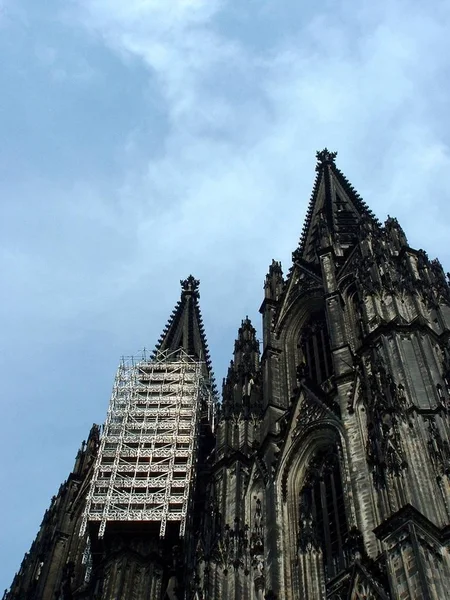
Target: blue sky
[148, 139]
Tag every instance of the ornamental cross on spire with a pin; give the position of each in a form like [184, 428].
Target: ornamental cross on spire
[324, 157]
[190, 285]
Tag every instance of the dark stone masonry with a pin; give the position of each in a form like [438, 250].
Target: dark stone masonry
[323, 473]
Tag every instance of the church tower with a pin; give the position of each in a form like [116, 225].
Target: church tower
[332, 466]
[324, 473]
[128, 533]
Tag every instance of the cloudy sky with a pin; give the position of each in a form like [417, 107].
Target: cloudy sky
[148, 139]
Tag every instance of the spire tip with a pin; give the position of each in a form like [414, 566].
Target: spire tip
[190, 285]
[325, 157]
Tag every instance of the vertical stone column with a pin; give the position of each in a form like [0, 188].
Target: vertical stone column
[311, 574]
[417, 556]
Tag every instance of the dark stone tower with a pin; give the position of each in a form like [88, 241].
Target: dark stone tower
[57, 561]
[121, 526]
[330, 476]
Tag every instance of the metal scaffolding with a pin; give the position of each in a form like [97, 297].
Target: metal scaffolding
[145, 467]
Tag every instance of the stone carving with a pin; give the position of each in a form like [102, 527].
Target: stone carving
[384, 410]
[440, 283]
[308, 537]
[446, 369]
[190, 285]
[439, 449]
[257, 544]
[354, 545]
[233, 543]
[325, 157]
[242, 385]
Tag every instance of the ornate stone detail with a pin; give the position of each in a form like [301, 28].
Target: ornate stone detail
[237, 547]
[325, 157]
[308, 538]
[395, 232]
[367, 280]
[302, 372]
[439, 449]
[190, 285]
[262, 467]
[310, 412]
[363, 591]
[303, 283]
[233, 547]
[257, 544]
[274, 282]
[354, 545]
[242, 385]
[440, 283]
[384, 270]
[385, 407]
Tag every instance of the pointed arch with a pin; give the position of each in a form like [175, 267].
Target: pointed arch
[312, 485]
[298, 314]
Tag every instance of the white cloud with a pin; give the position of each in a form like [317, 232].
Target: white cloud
[222, 186]
[234, 168]
[233, 172]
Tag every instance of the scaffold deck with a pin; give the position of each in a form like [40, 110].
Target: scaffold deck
[144, 469]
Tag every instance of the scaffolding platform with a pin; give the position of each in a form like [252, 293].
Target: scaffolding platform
[145, 468]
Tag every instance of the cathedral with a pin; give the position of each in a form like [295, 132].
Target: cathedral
[322, 472]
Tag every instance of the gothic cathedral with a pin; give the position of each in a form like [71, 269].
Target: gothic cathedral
[323, 472]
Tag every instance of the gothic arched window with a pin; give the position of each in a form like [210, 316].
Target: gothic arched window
[322, 511]
[315, 346]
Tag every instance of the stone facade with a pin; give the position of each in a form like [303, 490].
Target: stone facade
[59, 558]
[330, 477]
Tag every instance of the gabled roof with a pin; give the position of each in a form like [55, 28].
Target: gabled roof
[184, 329]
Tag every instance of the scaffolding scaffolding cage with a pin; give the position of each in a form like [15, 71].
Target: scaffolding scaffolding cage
[145, 468]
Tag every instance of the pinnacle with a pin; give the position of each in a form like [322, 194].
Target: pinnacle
[190, 285]
[325, 157]
[246, 325]
[275, 267]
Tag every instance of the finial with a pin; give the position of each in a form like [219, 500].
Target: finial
[190, 285]
[324, 157]
[275, 267]
[246, 323]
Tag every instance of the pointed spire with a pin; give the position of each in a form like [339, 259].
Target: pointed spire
[190, 285]
[241, 391]
[395, 232]
[274, 281]
[184, 329]
[324, 157]
[334, 218]
[334, 211]
[246, 346]
[87, 451]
